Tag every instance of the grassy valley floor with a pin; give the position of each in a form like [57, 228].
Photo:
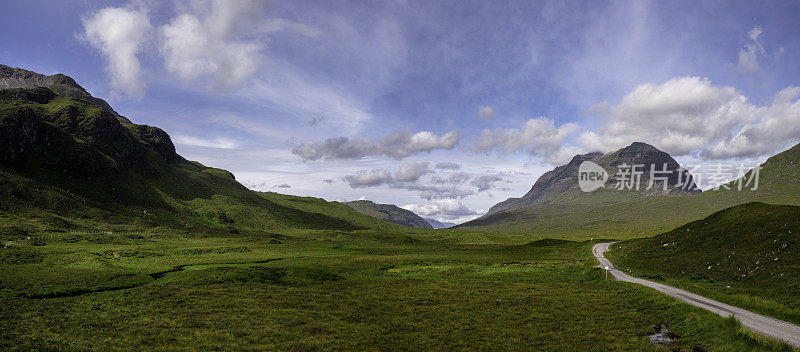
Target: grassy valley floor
[323, 290]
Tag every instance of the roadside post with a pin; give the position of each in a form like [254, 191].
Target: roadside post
[606, 271]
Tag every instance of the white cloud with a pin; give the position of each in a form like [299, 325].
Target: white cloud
[442, 207]
[397, 145]
[448, 165]
[485, 112]
[680, 116]
[411, 171]
[221, 143]
[747, 56]
[689, 115]
[368, 178]
[539, 137]
[485, 182]
[456, 179]
[119, 34]
[777, 127]
[208, 42]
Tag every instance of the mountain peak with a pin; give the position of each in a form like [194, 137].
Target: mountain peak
[560, 185]
[15, 77]
[641, 146]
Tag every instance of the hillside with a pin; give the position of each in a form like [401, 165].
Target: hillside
[752, 249]
[390, 213]
[779, 183]
[332, 209]
[68, 163]
[560, 185]
[436, 224]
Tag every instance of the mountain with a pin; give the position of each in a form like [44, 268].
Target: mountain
[749, 249]
[390, 213]
[779, 183]
[560, 186]
[438, 224]
[68, 162]
[63, 85]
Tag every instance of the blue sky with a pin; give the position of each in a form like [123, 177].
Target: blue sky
[344, 100]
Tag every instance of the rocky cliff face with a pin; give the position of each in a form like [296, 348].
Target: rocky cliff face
[560, 186]
[14, 77]
[42, 130]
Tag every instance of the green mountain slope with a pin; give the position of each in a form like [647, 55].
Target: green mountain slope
[68, 163]
[752, 250]
[390, 213]
[560, 186]
[779, 183]
[332, 209]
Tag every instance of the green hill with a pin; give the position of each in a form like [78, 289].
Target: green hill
[390, 213]
[67, 163]
[746, 255]
[779, 183]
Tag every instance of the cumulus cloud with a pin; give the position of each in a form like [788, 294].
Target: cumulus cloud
[407, 178]
[747, 56]
[328, 181]
[457, 178]
[485, 182]
[435, 192]
[485, 112]
[397, 145]
[412, 171]
[447, 166]
[119, 33]
[775, 129]
[368, 178]
[680, 116]
[442, 207]
[539, 137]
[206, 41]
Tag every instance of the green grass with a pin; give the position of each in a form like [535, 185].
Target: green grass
[779, 183]
[333, 290]
[747, 256]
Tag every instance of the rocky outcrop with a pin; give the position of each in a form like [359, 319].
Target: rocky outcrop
[71, 136]
[15, 77]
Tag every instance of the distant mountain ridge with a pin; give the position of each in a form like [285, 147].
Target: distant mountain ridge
[390, 213]
[560, 185]
[436, 224]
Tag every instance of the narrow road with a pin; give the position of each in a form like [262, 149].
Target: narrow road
[761, 324]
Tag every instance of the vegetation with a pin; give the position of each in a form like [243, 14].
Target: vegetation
[779, 183]
[390, 213]
[112, 241]
[334, 290]
[746, 256]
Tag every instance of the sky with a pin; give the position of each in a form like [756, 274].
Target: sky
[441, 107]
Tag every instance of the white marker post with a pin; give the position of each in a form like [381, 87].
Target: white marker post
[607, 271]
